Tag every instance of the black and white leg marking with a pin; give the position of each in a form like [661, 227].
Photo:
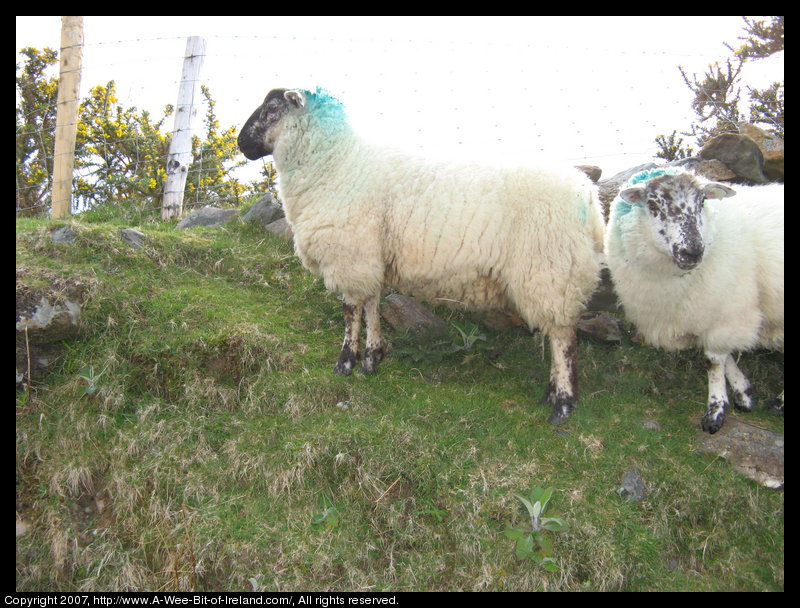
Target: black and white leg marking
[562, 390]
[374, 350]
[742, 389]
[717, 394]
[351, 348]
[352, 331]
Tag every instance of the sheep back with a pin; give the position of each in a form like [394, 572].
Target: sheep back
[522, 239]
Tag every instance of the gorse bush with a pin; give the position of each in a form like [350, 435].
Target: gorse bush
[120, 152]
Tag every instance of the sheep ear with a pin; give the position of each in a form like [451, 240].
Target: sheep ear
[633, 196]
[716, 190]
[295, 98]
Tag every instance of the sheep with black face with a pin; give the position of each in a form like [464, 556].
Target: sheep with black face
[525, 239]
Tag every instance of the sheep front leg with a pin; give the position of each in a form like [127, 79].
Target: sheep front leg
[562, 390]
[717, 394]
[374, 350]
[352, 331]
[742, 389]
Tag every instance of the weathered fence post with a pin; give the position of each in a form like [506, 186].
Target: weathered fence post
[180, 148]
[69, 84]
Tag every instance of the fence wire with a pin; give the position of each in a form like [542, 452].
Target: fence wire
[114, 164]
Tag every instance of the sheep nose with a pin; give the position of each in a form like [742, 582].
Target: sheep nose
[687, 258]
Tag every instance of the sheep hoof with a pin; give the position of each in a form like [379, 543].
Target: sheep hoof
[713, 419]
[346, 363]
[743, 401]
[711, 426]
[371, 360]
[560, 414]
[343, 369]
[563, 403]
[776, 405]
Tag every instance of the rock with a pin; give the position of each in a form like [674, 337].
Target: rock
[771, 147]
[207, 216]
[601, 326]
[651, 425]
[51, 319]
[633, 487]
[739, 153]
[134, 238]
[498, 320]
[712, 169]
[63, 234]
[404, 313]
[753, 451]
[604, 297]
[23, 527]
[280, 227]
[592, 172]
[265, 211]
[608, 188]
[45, 317]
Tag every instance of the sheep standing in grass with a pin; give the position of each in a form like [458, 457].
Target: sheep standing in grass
[525, 239]
[692, 270]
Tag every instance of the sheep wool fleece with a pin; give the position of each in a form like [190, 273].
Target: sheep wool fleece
[525, 239]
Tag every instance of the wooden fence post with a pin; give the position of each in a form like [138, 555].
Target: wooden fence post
[180, 147]
[69, 84]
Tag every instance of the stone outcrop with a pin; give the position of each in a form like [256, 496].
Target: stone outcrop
[207, 216]
[771, 147]
[739, 153]
[46, 317]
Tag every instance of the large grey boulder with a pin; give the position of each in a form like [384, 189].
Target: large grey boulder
[771, 146]
[265, 211]
[207, 216]
[739, 153]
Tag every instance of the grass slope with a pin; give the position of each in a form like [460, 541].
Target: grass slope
[216, 450]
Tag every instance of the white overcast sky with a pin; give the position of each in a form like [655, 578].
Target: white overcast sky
[575, 89]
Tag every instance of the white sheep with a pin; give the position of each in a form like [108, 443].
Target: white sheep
[525, 239]
[692, 270]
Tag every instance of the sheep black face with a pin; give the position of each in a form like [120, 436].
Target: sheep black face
[257, 137]
[677, 214]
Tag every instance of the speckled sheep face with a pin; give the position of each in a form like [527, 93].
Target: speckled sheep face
[675, 207]
[257, 137]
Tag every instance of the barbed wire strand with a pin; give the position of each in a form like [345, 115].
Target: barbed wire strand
[99, 174]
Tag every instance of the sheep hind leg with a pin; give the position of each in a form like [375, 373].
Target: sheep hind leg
[776, 405]
[717, 394]
[352, 331]
[374, 348]
[562, 390]
[742, 389]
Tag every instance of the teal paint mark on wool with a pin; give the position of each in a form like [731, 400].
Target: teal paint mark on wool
[622, 207]
[647, 175]
[325, 106]
[583, 211]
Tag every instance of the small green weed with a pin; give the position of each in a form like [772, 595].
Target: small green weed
[91, 381]
[436, 347]
[536, 542]
[327, 519]
[431, 509]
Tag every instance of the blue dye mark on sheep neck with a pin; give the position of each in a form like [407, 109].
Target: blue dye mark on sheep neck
[325, 107]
